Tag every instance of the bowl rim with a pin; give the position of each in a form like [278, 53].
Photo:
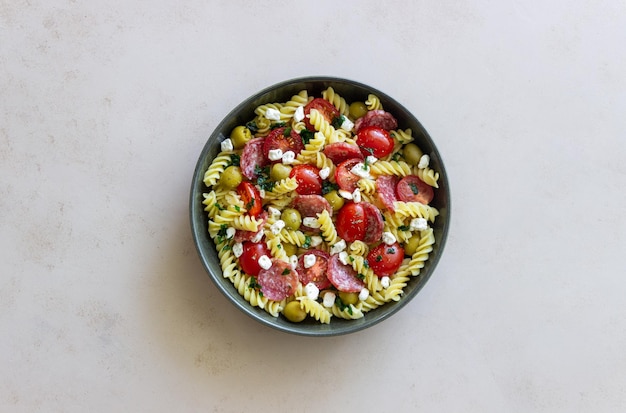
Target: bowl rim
[200, 234]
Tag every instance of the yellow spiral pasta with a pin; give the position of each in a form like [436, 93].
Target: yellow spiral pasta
[402, 136]
[373, 301]
[261, 110]
[228, 261]
[246, 223]
[327, 227]
[245, 287]
[281, 188]
[275, 246]
[367, 186]
[350, 312]
[311, 149]
[213, 173]
[320, 124]
[358, 248]
[338, 102]
[415, 210]
[396, 287]
[427, 175]
[289, 108]
[419, 258]
[315, 310]
[297, 238]
[210, 202]
[397, 168]
[371, 280]
[263, 124]
[373, 102]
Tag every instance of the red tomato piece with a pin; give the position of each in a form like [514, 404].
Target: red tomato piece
[344, 176]
[385, 259]
[285, 139]
[308, 178]
[249, 260]
[251, 198]
[412, 189]
[327, 109]
[341, 151]
[374, 141]
[317, 273]
[351, 222]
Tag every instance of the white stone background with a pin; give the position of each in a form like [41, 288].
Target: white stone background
[105, 106]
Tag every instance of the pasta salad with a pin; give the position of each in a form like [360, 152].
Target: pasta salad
[319, 208]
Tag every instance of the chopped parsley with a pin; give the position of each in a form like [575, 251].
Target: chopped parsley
[414, 188]
[395, 156]
[338, 121]
[391, 251]
[218, 206]
[366, 264]
[250, 204]
[254, 285]
[379, 258]
[252, 126]
[307, 242]
[286, 271]
[237, 208]
[235, 159]
[328, 186]
[277, 125]
[263, 178]
[287, 131]
[403, 228]
[222, 231]
[342, 306]
[306, 135]
[360, 276]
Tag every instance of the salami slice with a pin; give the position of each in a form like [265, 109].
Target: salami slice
[412, 189]
[386, 189]
[315, 273]
[251, 157]
[341, 151]
[310, 206]
[279, 281]
[378, 118]
[343, 277]
[374, 223]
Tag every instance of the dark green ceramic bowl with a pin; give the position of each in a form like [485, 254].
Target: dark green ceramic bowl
[282, 92]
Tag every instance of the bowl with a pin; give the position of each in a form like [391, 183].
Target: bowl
[281, 92]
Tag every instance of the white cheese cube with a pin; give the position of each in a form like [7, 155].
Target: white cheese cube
[329, 299]
[293, 260]
[389, 238]
[275, 154]
[345, 194]
[237, 249]
[258, 236]
[289, 157]
[385, 282]
[273, 212]
[311, 222]
[265, 262]
[343, 257]
[277, 226]
[418, 224]
[324, 172]
[361, 170]
[298, 115]
[356, 195]
[272, 114]
[316, 240]
[227, 145]
[309, 260]
[338, 247]
[370, 159]
[311, 291]
[424, 161]
[347, 124]
[230, 232]
[364, 294]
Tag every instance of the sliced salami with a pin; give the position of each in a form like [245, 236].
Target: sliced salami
[279, 281]
[343, 277]
[310, 206]
[241, 235]
[341, 151]
[378, 118]
[315, 273]
[374, 223]
[251, 157]
[412, 189]
[386, 189]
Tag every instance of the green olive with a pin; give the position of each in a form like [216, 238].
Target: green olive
[292, 218]
[357, 110]
[280, 171]
[231, 177]
[412, 153]
[411, 245]
[349, 298]
[293, 312]
[290, 249]
[240, 135]
[335, 200]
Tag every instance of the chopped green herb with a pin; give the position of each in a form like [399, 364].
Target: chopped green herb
[277, 125]
[235, 159]
[403, 228]
[218, 206]
[360, 276]
[351, 258]
[306, 136]
[226, 247]
[253, 283]
[342, 306]
[222, 231]
[338, 121]
[237, 208]
[391, 251]
[414, 188]
[263, 178]
[287, 131]
[395, 156]
[252, 126]
[379, 258]
[250, 204]
[307, 242]
[328, 186]
[366, 264]
[286, 271]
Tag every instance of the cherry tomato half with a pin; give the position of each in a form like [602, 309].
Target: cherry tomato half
[285, 139]
[327, 109]
[351, 222]
[374, 141]
[344, 177]
[308, 178]
[249, 259]
[317, 273]
[385, 259]
[251, 198]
